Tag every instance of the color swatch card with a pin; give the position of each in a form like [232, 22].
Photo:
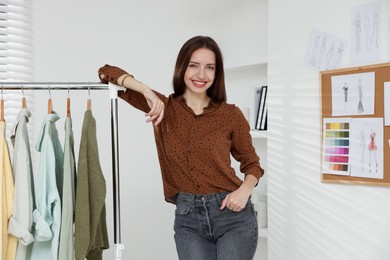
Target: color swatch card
[336, 146]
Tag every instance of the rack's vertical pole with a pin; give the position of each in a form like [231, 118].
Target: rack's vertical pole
[118, 246]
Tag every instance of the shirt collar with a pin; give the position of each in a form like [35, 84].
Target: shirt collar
[24, 113]
[53, 117]
[211, 107]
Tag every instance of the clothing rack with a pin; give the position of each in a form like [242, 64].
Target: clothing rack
[118, 246]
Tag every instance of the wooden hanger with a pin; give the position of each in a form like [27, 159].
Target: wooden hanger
[89, 99]
[49, 103]
[24, 103]
[49, 106]
[68, 105]
[89, 104]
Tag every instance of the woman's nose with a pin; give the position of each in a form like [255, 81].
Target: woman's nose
[201, 73]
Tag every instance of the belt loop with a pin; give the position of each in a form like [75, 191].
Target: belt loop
[219, 197]
[192, 198]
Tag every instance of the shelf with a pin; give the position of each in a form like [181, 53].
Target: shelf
[263, 232]
[259, 134]
[246, 66]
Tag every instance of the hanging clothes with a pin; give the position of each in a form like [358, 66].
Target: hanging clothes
[20, 224]
[8, 242]
[90, 221]
[47, 215]
[66, 248]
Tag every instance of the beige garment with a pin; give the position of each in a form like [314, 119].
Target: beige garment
[8, 242]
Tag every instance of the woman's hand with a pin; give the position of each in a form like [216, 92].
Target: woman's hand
[156, 112]
[237, 200]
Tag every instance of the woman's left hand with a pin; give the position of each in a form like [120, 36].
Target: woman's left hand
[237, 200]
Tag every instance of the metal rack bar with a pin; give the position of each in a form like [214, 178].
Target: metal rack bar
[118, 246]
[53, 85]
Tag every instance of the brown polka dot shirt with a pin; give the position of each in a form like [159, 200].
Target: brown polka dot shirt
[194, 150]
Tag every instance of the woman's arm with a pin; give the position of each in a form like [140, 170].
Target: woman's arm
[118, 76]
[155, 104]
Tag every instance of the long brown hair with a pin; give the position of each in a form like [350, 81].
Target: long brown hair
[217, 91]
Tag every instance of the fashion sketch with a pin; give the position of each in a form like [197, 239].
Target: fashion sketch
[366, 30]
[372, 152]
[366, 147]
[339, 54]
[360, 107]
[353, 94]
[322, 51]
[375, 31]
[330, 56]
[358, 30]
[345, 89]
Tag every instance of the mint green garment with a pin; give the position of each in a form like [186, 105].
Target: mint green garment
[47, 215]
[90, 221]
[20, 224]
[66, 249]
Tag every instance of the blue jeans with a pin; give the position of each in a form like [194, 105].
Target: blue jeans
[204, 232]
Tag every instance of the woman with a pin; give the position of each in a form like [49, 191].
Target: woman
[196, 131]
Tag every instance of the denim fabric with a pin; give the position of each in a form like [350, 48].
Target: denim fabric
[204, 232]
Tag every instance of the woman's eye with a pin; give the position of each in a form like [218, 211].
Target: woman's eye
[192, 66]
[211, 67]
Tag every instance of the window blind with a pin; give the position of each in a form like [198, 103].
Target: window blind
[15, 54]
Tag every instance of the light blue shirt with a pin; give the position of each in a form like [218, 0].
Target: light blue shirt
[47, 215]
[66, 250]
[21, 221]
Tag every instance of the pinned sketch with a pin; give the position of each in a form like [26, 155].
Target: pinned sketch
[387, 103]
[353, 94]
[336, 146]
[324, 51]
[365, 33]
[366, 146]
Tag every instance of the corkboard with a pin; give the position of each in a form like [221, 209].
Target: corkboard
[382, 74]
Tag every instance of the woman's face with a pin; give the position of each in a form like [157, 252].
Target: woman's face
[200, 73]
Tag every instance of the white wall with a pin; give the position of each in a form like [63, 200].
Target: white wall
[72, 39]
[309, 219]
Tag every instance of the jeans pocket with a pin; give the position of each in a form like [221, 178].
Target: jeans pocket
[182, 208]
[248, 206]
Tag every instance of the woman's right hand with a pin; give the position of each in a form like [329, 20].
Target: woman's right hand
[156, 106]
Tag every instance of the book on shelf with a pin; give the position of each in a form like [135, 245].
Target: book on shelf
[254, 106]
[263, 124]
[262, 109]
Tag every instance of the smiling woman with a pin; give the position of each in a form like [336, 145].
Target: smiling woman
[196, 133]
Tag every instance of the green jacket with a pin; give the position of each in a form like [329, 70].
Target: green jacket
[90, 220]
